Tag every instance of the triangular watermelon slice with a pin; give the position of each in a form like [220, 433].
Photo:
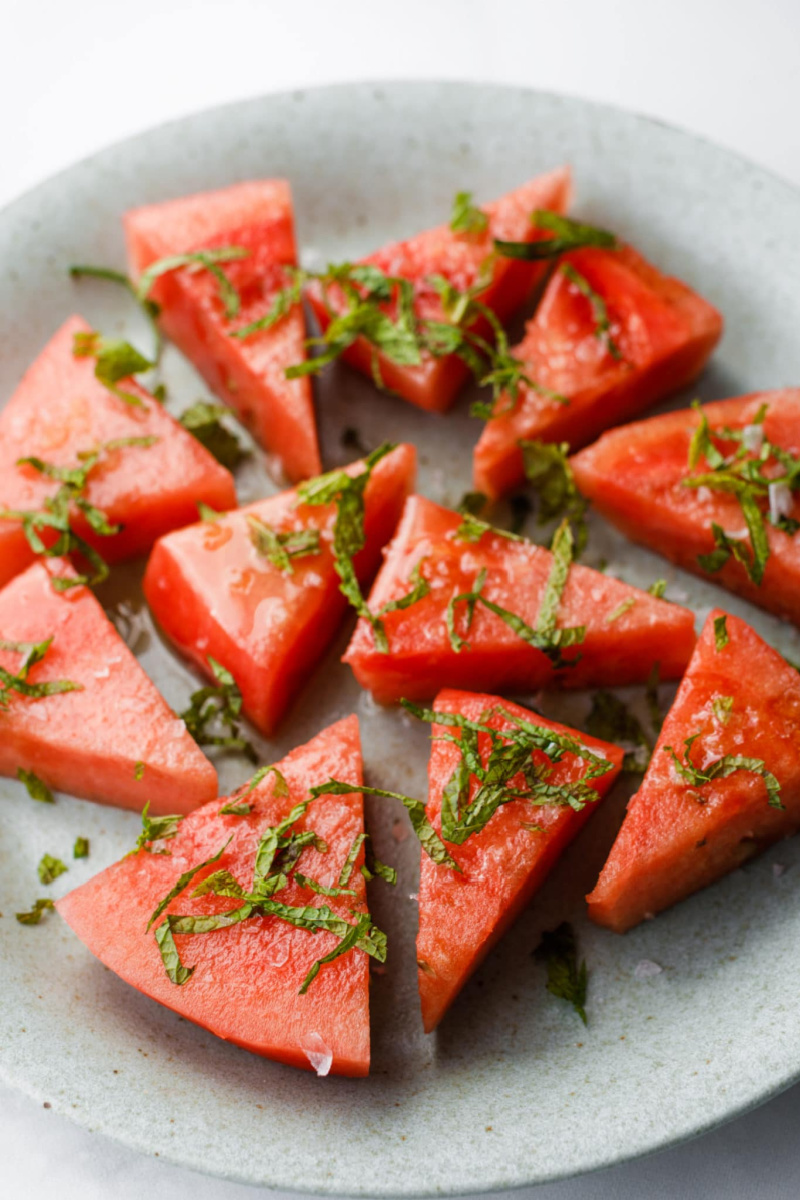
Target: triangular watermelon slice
[248, 374]
[635, 477]
[246, 979]
[60, 411]
[115, 740]
[459, 258]
[463, 915]
[658, 336]
[215, 592]
[627, 631]
[739, 699]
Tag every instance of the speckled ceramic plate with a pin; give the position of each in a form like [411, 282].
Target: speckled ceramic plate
[513, 1090]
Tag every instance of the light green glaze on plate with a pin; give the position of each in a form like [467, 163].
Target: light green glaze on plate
[513, 1090]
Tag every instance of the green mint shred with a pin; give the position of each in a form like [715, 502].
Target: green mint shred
[206, 423]
[214, 713]
[566, 978]
[567, 235]
[37, 789]
[721, 768]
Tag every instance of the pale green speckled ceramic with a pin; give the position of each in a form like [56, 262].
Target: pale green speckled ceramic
[513, 1090]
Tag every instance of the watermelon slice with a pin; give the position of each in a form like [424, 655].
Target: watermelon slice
[115, 740]
[215, 593]
[740, 697]
[659, 336]
[59, 411]
[627, 630]
[246, 978]
[460, 259]
[635, 478]
[463, 915]
[248, 374]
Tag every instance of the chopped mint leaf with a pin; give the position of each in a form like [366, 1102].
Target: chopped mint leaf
[205, 260]
[183, 882]
[81, 848]
[567, 235]
[219, 883]
[281, 547]
[156, 829]
[472, 529]
[429, 839]
[721, 768]
[347, 493]
[217, 707]
[320, 888]
[466, 217]
[721, 637]
[138, 771]
[599, 310]
[472, 503]
[566, 979]
[40, 907]
[150, 309]
[32, 653]
[57, 512]
[50, 868]
[722, 707]
[624, 606]
[116, 360]
[611, 720]
[658, 588]
[549, 474]
[37, 789]
[206, 423]
[207, 513]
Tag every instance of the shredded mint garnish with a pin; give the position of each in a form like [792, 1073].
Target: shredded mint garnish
[567, 235]
[722, 707]
[657, 588]
[721, 638]
[199, 260]
[37, 789]
[81, 848]
[207, 513]
[149, 307]
[138, 771]
[50, 868]
[279, 547]
[509, 772]
[624, 606]
[156, 829]
[566, 979]
[206, 423]
[602, 321]
[347, 493]
[755, 478]
[549, 474]
[115, 360]
[472, 529]
[56, 513]
[32, 653]
[721, 768]
[40, 907]
[217, 706]
[466, 217]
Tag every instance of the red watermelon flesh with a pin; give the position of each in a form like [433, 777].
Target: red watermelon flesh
[663, 333]
[434, 383]
[89, 742]
[462, 916]
[246, 979]
[634, 477]
[247, 374]
[212, 593]
[627, 630]
[60, 410]
[677, 836]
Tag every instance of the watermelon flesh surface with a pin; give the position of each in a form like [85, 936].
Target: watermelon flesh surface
[61, 410]
[248, 374]
[678, 837]
[627, 630]
[89, 742]
[459, 258]
[462, 916]
[662, 331]
[634, 478]
[213, 593]
[247, 977]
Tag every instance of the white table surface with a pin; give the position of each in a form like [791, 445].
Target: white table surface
[75, 76]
